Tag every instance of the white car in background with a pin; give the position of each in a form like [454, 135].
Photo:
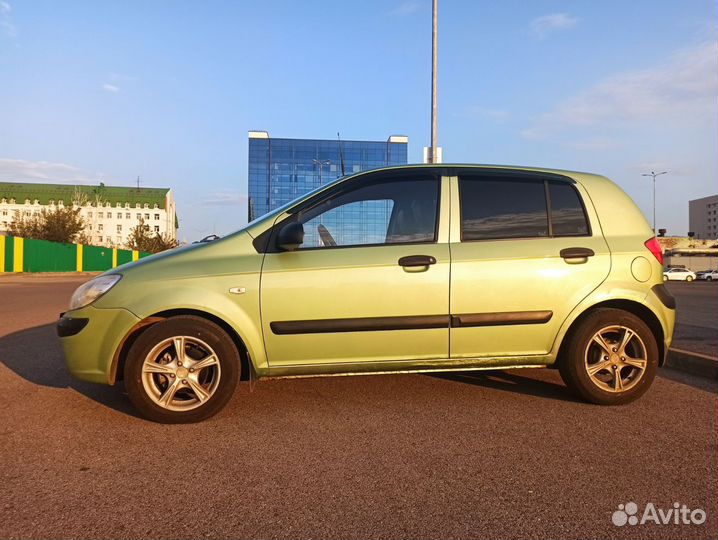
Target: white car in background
[678, 274]
[711, 276]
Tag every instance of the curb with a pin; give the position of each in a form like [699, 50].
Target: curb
[693, 363]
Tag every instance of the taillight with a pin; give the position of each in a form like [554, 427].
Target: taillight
[655, 248]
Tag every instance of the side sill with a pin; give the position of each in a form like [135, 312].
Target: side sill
[406, 366]
[401, 371]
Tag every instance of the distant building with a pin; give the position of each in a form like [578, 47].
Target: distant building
[109, 212]
[281, 170]
[703, 217]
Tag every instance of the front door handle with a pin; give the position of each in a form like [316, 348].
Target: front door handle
[576, 253]
[417, 260]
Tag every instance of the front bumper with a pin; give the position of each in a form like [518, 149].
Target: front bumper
[90, 350]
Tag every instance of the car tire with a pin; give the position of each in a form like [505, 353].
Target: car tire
[580, 358]
[709, 278]
[665, 278]
[165, 390]
[689, 278]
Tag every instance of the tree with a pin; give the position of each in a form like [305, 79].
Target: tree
[141, 239]
[56, 224]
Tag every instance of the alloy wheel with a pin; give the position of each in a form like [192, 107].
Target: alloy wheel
[615, 358]
[181, 373]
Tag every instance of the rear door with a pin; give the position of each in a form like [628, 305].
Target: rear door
[525, 250]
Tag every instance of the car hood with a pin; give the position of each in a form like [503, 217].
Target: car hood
[230, 255]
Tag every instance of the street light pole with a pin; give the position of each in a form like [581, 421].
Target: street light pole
[434, 84]
[653, 175]
[320, 163]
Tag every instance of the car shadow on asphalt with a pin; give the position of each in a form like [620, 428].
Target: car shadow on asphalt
[35, 355]
[510, 381]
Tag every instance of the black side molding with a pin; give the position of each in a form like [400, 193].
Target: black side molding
[362, 324]
[67, 326]
[419, 322]
[501, 318]
[664, 296]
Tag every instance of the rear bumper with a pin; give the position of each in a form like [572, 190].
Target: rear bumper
[664, 296]
[663, 304]
[89, 339]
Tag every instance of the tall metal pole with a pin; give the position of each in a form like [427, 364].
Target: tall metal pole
[434, 84]
[653, 175]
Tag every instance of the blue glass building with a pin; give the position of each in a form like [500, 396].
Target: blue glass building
[282, 169]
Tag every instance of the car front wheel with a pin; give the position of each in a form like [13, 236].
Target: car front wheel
[181, 370]
[611, 358]
[665, 278]
[689, 278]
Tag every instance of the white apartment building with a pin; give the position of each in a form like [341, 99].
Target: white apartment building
[109, 212]
[703, 217]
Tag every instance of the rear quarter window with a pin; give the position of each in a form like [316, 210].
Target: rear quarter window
[568, 216]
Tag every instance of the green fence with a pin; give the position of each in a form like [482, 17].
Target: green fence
[96, 259]
[28, 255]
[44, 256]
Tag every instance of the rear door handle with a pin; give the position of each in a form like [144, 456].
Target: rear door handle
[417, 260]
[576, 253]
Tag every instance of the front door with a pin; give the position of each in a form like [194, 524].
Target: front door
[370, 282]
[525, 251]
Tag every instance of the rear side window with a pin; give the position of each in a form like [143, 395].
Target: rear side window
[568, 217]
[499, 208]
[502, 208]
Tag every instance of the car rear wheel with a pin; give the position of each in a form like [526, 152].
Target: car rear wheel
[181, 370]
[709, 278]
[611, 358]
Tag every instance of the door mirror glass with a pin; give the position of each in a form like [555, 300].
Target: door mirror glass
[290, 236]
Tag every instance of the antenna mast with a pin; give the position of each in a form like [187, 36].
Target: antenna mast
[341, 153]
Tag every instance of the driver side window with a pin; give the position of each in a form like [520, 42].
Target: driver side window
[381, 212]
[353, 224]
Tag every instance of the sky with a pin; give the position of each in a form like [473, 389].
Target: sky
[167, 89]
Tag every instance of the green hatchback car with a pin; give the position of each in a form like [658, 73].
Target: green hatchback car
[402, 269]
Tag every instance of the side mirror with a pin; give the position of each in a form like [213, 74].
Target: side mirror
[290, 236]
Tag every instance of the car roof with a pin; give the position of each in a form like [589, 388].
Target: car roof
[487, 166]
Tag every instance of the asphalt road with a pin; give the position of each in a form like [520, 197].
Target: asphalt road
[504, 454]
[696, 316]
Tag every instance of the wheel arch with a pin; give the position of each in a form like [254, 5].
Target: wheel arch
[118, 361]
[632, 306]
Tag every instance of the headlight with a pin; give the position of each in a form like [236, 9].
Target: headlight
[92, 290]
